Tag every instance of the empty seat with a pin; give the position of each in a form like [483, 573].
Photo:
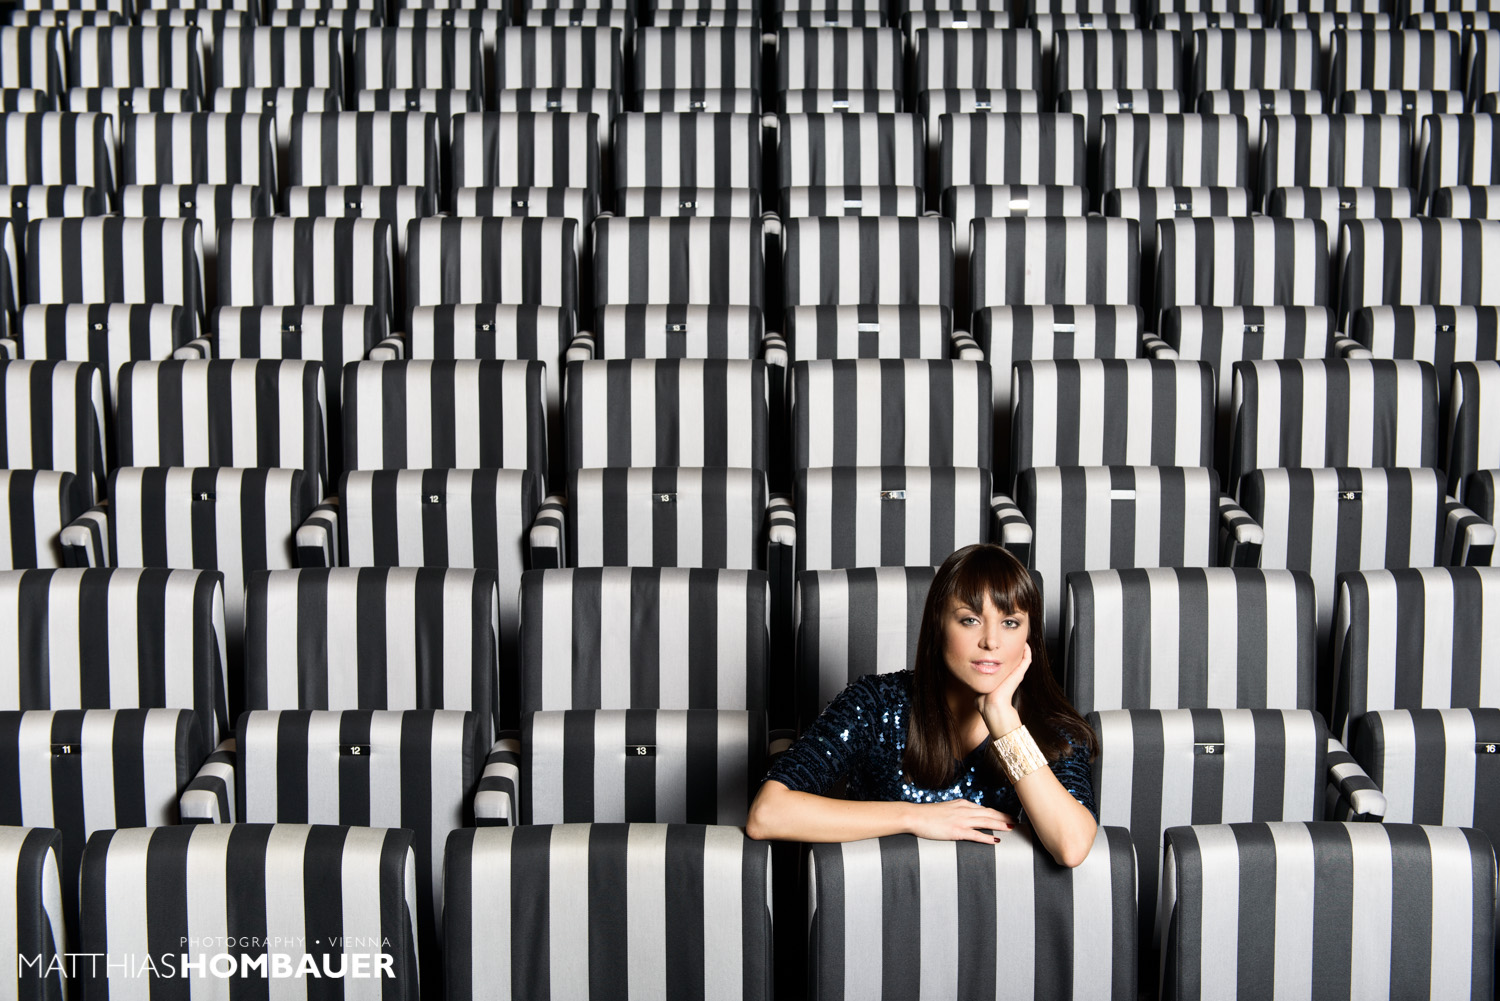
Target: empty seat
[839, 59]
[1256, 105]
[1456, 149]
[443, 58]
[1429, 764]
[1011, 148]
[32, 57]
[1334, 205]
[1030, 262]
[364, 147]
[1099, 59]
[505, 887]
[899, 261]
[1341, 150]
[35, 927]
[198, 148]
[1437, 875]
[1257, 261]
[978, 58]
[1465, 202]
[306, 262]
[1157, 151]
[1472, 453]
[136, 261]
[1256, 59]
[53, 419]
[1409, 262]
[1395, 60]
[281, 103]
[873, 932]
[688, 261]
[868, 332]
[279, 57]
[495, 260]
[58, 147]
[688, 149]
[546, 149]
[1438, 335]
[850, 149]
[530, 57]
[397, 204]
[696, 58]
[137, 57]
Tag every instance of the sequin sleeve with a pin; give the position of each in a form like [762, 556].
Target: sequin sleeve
[838, 741]
[1076, 775]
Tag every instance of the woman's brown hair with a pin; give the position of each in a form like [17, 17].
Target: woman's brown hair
[969, 576]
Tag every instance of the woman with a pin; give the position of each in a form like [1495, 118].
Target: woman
[977, 737]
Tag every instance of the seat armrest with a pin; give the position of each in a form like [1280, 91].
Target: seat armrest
[1348, 347]
[773, 350]
[1240, 538]
[318, 536]
[1350, 789]
[581, 348]
[781, 521]
[392, 348]
[1468, 540]
[209, 798]
[548, 535]
[194, 350]
[9, 349]
[964, 347]
[84, 540]
[1011, 529]
[1154, 347]
[496, 801]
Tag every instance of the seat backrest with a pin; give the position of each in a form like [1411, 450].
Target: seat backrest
[33, 58]
[1174, 150]
[364, 147]
[874, 930]
[275, 875]
[373, 638]
[135, 261]
[1028, 261]
[1408, 59]
[291, 57]
[690, 639]
[528, 261]
[1414, 639]
[817, 332]
[135, 56]
[1259, 261]
[525, 148]
[35, 928]
[872, 412]
[1389, 875]
[697, 58]
[668, 412]
[1431, 765]
[872, 516]
[221, 148]
[52, 417]
[983, 58]
[1438, 335]
[443, 58]
[839, 59]
[1009, 147]
[849, 148]
[506, 887]
[682, 766]
[682, 261]
[1198, 638]
[1471, 442]
[1098, 59]
[306, 262]
[223, 412]
[1335, 150]
[38, 504]
[1256, 59]
[527, 58]
[687, 149]
[883, 261]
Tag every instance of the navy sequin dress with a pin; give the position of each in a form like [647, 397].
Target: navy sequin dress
[861, 738]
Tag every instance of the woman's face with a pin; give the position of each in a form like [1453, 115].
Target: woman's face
[982, 646]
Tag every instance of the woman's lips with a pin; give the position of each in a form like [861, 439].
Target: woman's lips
[985, 666]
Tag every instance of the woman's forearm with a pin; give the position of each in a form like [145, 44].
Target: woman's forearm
[1063, 825]
[782, 814]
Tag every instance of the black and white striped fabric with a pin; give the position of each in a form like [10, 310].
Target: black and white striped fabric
[447, 414]
[1407, 59]
[1412, 105]
[697, 58]
[35, 928]
[899, 916]
[487, 21]
[213, 886]
[732, 332]
[579, 204]
[873, 516]
[540, 333]
[1332, 412]
[133, 261]
[965, 203]
[1457, 149]
[444, 58]
[446, 104]
[121, 102]
[1111, 412]
[1169, 638]
[1011, 148]
[198, 148]
[121, 639]
[688, 261]
[1095, 59]
[1148, 206]
[605, 104]
[1256, 59]
[345, 20]
[1335, 205]
[1256, 105]
[1155, 151]
[52, 417]
[306, 262]
[668, 412]
[689, 914]
[982, 58]
[528, 261]
[839, 59]
[815, 332]
[1431, 765]
[1438, 335]
[743, 101]
[850, 149]
[1116, 517]
[854, 622]
[688, 149]
[281, 103]
[883, 261]
[32, 57]
[618, 638]
[364, 147]
[1413, 639]
[1373, 927]
[536, 148]
[80, 771]
[668, 766]
[208, 203]
[330, 639]
[1097, 105]
[1408, 262]
[1332, 521]
[932, 105]
[1027, 261]
[1341, 150]
[223, 413]
[133, 56]
[38, 504]
[24, 202]
[397, 204]
[278, 57]
[893, 412]
[1257, 261]
[221, 518]
[527, 58]
[1465, 202]
[1472, 449]
[413, 769]
[212, 22]
[667, 516]
[107, 336]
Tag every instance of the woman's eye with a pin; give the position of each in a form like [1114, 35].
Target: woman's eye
[969, 620]
[1012, 624]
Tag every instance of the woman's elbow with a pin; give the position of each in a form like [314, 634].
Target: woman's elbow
[1072, 850]
[759, 823]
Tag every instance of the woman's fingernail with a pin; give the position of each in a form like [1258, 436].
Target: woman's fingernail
[997, 839]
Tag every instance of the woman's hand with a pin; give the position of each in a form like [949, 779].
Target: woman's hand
[959, 820]
[998, 707]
